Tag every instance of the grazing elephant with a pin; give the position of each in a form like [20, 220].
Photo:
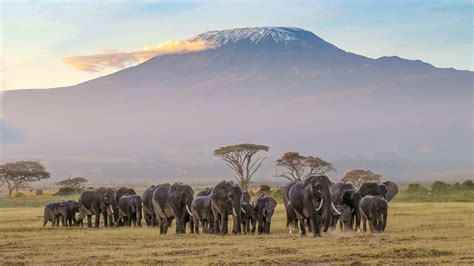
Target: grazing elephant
[202, 213]
[312, 201]
[172, 201]
[148, 212]
[392, 190]
[374, 209]
[249, 218]
[51, 214]
[226, 198]
[130, 207]
[68, 212]
[265, 207]
[97, 202]
[351, 199]
[372, 188]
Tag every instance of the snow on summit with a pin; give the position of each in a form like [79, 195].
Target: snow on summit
[277, 35]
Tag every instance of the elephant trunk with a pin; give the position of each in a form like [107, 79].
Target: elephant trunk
[328, 208]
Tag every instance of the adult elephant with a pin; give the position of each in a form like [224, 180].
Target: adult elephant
[96, 202]
[392, 190]
[130, 210]
[202, 212]
[172, 202]
[291, 218]
[337, 192]
[312, 201]
[374, 189]
[265, 207]
[148, 212]
[124, 191]
[226, 198]
[350, 217]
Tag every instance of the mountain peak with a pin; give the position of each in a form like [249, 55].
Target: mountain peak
[284, 36]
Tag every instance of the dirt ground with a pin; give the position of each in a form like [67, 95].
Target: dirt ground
[416, 233]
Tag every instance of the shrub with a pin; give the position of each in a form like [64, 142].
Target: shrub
[20, 195]
[66, 191]
[39, 192]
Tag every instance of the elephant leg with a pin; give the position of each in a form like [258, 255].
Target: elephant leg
[267, 228]
[97, 219]
[371, 224]
[45, 221]
[254, 221]
[364, 221]
[224, 223]
[302, 227]
[129, 218]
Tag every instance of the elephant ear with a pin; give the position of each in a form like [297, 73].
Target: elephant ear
[309, 180]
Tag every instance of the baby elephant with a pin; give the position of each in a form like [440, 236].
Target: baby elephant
[374, 209]
[265, 207]
[51, 214]
[249, 218]
[130, 210]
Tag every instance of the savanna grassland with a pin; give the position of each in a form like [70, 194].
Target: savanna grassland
[416, 233]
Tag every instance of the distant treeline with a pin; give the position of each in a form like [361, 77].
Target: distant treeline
[438, 192]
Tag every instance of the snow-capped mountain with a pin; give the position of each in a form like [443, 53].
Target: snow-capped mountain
[275, 35]
[283, 87]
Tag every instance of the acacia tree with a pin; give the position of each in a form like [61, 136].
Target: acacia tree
[19, 174]
[240, 158]
[75, 183]
[299, 167]
[358, 177]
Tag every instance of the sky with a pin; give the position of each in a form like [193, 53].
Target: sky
[42, 40]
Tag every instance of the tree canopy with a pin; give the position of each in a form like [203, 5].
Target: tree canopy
[75, 183]
[240, 158]
[17, 175]
[358, 177]
[299, 167]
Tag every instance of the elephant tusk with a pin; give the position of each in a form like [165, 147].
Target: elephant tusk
[320, 205]
[111, 209]
[353, 210]
[233, 210]
[334, 208]
[242, 208]
[187, 208]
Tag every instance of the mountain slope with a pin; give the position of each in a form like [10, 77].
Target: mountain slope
[283, 87]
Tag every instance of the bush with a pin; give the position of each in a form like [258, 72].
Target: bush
[264, 188]
[20, 195]
[66, 191]
[39, 192]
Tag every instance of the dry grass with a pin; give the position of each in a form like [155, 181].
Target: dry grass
[417, 233]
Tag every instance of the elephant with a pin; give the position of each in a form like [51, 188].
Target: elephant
[68, 211]
[202, 213]
[172, 201]
[124, 191]
[312, 201]
[97, 202]
[130, 207]
[351, 199]
[372, 188]
[374, 210]
[148, 212]
[291, 218]
[392, 190]
[51, 214]
[204, 192]
[249, 218]
[226, 198]
[265, 207]
[337, 192]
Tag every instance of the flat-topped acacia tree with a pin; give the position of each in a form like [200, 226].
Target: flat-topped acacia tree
[358, 177]
[240, 158]
[298, 167]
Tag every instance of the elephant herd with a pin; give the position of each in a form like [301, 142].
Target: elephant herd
[161, 204]
[315, 204]
[318, 204]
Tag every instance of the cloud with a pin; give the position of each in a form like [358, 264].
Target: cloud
[117, 59]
